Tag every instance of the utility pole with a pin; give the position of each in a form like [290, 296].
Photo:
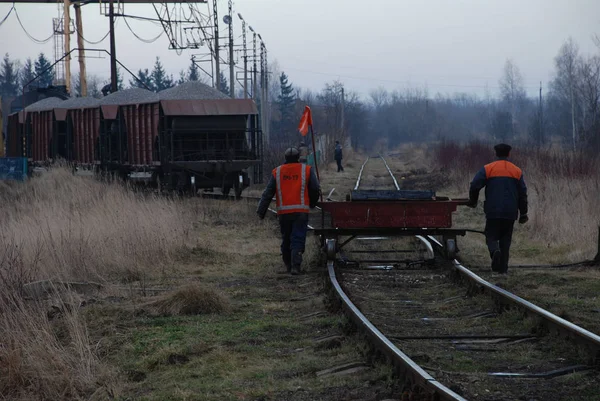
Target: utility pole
[254, 82]
[217, 78]
[80, 46]
[245, 57]
[113, 48]
[263, 106]
[342, 114]
[67, 30]
[267, 107]
[231, 65]
[541, 116]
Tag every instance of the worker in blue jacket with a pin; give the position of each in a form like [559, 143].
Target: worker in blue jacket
[505, 201]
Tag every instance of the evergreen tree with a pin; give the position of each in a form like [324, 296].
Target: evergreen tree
[120, 85]
[193, 73]
[45, 79]
[27, 74]
[145, 77]
[223, 85]
[182, 78]
[9, 77]
[159, 77]
[286, 102]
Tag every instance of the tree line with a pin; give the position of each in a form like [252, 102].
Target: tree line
[568, 112]
[16, 76]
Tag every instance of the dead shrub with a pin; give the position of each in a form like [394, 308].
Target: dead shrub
[193, 299]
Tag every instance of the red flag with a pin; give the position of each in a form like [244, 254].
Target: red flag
[305, 121]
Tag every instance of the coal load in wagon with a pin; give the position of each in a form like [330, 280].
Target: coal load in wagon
[191, 90]
[45, 104]
[80, 103]
[130, 96]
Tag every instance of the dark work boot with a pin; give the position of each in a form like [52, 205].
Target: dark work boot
[496, 261]
[296, 262]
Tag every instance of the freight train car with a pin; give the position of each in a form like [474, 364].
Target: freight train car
[208, 139]
[185, 138]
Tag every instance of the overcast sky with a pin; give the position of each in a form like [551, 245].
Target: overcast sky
[446, 45]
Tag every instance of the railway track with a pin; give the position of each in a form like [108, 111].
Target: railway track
[450, 341]
[450, 334]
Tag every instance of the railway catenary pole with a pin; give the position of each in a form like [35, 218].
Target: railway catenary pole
[113, 48]
[245, 56]
[81, 54]
[217, 77]
[67, 33]
[263, 105]
[254, 83]
[231, 63]
[267, 107]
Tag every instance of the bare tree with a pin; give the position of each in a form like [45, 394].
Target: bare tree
[379, 97]
[588, 91]
[565, 82]
[512, 89]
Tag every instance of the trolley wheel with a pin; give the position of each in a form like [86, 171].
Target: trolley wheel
[159, 183]
[451, 248]
[330, 249]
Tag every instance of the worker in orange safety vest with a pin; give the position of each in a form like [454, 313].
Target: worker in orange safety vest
[296, 189]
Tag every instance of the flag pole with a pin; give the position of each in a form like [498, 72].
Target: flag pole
[312, 135]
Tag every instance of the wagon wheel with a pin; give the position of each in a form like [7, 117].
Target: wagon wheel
[159, 183]
[330, 245]
[226, 191]
[451, 248]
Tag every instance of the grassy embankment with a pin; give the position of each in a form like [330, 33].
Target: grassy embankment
[182, 302]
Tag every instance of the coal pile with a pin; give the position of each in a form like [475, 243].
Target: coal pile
[130, 96]
[80, 103]
[191, 90]
[45, 104]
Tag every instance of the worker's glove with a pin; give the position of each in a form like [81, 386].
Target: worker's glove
[523, 219]
[472, 203]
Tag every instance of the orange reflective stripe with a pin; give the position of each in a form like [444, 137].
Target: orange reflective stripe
[502, 168]
[292, 182]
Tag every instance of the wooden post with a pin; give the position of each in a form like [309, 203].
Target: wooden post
[597, 257]
[81, 51]
[113, 48]
[312, 134]
[67, 33]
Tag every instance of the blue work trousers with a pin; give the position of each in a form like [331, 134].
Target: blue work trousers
[498, 236]
[293, 237]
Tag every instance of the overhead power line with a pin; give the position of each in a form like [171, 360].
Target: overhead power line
[140, 38]
[91, 42]
[8, 14]
[397, 82]
[38, 41]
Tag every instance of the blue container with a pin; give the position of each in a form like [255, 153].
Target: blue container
[13, 168]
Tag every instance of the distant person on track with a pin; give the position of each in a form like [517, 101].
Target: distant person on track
[505, 200]
[338, 156]
[303, 149]
[296, 189]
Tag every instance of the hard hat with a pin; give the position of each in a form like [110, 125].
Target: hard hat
[292, 152]
[292, 155]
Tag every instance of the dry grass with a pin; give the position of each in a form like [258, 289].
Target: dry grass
[64, 228]
[564, 206]
[192, 299]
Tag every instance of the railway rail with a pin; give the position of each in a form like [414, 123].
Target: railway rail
[428, 320]
[434, 318]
